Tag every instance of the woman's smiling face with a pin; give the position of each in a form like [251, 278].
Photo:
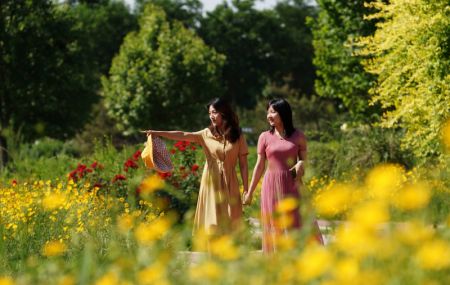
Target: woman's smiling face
[273, 117]
[215, 117]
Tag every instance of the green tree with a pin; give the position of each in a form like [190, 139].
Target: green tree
[262, 47]
[410, 53]
[162, 76]
[292, 45]
[189, 12]
[45, 78]
[340, 73]
[102, 26]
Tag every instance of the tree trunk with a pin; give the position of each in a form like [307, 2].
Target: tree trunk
[3, 152]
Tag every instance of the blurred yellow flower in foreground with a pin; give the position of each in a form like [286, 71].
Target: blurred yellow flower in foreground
[208, 270]
[200, 240]
[412, 197]
[383, 180]
[333, 201]
[153, 274]
[285, 242]
[110, 278]
[370, 214]
[287, 205]
[313, 262]
[434, 255]
[151, 184]
[147, 233]
[346, 270]
[414, 233]
[125, 223]
[67, 280]
[355, 240]
[224, 248]
[6, 281]
[54, 248]
[53, 201]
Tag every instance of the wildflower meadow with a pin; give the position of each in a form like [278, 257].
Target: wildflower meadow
[82, 81]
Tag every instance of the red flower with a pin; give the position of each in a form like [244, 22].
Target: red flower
[96, 165]
[194, 167]
[118, 177]
[138, 190]
[129, 163]
[98, 185]
[173, 151]
[164, 175]
[14, 182]
[181, 145]
[136, 155]
[73, 175]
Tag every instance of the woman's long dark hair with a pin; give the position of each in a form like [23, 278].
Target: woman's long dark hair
[230, 120]
[284, 110]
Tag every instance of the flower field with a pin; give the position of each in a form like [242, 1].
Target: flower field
[129, 226]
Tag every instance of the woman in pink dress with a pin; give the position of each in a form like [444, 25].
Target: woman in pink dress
[284, 147]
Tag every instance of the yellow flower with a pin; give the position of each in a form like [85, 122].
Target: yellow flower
[334, 200]
[287, 205]
[151, 184]
[285, 242]
[53, 201]
[67, 280]
[154, 274]
[201, 240]
[355, 240]
[223, 248]
[125, 223]
[54, 248]
[284, 221]
[146, 234]
[434, 255]
[6, 281]
[313, 262]
[346, 270]
[412, 197]
[110, 278]
[208, 270]
[370, 214]
[384, 179]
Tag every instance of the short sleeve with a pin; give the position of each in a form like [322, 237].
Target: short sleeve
[200, 136]
[243, 148]
[261, 148]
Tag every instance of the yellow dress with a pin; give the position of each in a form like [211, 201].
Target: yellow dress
[219, 206]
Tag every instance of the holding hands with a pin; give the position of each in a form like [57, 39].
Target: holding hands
[247, 198]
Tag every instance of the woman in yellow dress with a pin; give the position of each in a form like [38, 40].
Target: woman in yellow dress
[219, 205]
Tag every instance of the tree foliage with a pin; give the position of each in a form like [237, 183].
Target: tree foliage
[189, 12]
[102, 26]
[262, 47]
[411, 57]
[340, 73]
[45, 79]
[292, 45]
[162, 76]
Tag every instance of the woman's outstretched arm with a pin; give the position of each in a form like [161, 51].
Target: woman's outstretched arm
[174, 135]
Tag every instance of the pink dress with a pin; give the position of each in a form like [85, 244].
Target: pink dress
[278, 184]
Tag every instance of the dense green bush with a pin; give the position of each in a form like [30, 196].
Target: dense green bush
[357, 148]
